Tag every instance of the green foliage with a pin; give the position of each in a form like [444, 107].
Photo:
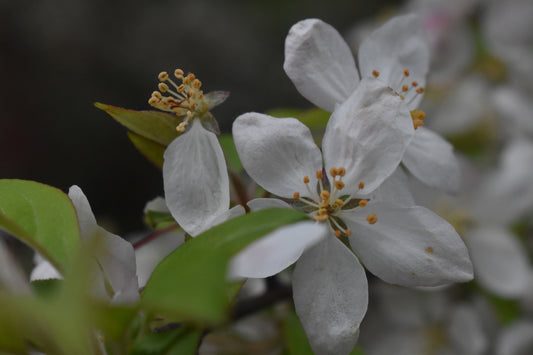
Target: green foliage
[315, 118]
[295, 337]
[42, 217]
[156, 126]
[181, 341]
[230, 152]
[152, 151]
[190, 283]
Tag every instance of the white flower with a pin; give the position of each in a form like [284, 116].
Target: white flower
[194, 170]
[403, 244]
[113, 275]
[321, 66]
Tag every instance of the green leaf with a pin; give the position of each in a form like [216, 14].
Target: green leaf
[157, 126]
[230, 152]
[47, 289]
[42, 217]
[190, 283]
[314, 118]
[152, 151]
[181, 341]
[295, 336]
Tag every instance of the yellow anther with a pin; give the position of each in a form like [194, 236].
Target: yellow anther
[163, 87]
[417, 123]
[306, 180]
[196, 83]
[341, 171]
[406, 72]
[153, 100]
[375, 73]
[337, 233]
[324, 195]
[163, 76]
[429, 250]
[420, 90]
[178, 73]
[333, 172]
[339, 202]
[414, 83]
[181, 127]
[405, 88]
[319, 174]
[339, 185]
[322, 211]
[320, 218]
[348, 232]
[372, 218]
[363, 203]
[157, 94]
[296, 195]
[181, 88]
[361, 185]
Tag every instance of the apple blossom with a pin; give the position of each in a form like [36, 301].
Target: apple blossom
[339, 188]
[321, 66]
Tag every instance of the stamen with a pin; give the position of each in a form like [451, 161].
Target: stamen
[341, 171]
[322, 211]
[319, 174]
[324, 195]
[414, 83]
[363, 203]
[361, 185]
[372, 218]
[163, 76]
[296, 196]
[375, 73]
[420, 90]
[306, 180]
[339, 185]
[163, 87]
[339, 202]
[178, 73]
[337, 233]
[406, 72]
[405, 88]
[348, 232]
[320, 218]
[333, 172]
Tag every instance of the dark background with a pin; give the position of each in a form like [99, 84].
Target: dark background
[57, 57]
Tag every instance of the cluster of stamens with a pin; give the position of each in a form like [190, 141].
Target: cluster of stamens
[329, 204]
[185, 100]
[403, 89]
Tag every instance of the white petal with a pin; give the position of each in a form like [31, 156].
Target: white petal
[233, 212]
[129, 294]
[395, 189]
[466, 332]
[149, 255]
[320, 63]
[262, 203]
[367, 135]
[408, 246]
[195, 179]
[516, 339]
[12, 278]
[277, 152]
[398, 44]
[43, 270]
[158, 204]
[116, 257]
[86, 219]
[330, 296]
[277, 250]
[430, 158]
[500, 262]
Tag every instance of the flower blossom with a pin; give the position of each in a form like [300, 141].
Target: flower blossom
[338, 188]
[113, 273]
[321, 66]
[195, 176]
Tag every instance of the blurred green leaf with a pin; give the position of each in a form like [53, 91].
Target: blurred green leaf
[477, 141]
[314, 118]
[230, 152]
[297, 343]
[190, 283]
[47, 289]
[157, 126]
[42, 217]
[152, 151]
[159, 220]
[181, 341]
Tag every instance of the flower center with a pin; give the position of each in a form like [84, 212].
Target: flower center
[408, 90]
[328, 201]
[185, 100]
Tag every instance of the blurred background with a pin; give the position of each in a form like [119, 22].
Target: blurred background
[58, 57]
